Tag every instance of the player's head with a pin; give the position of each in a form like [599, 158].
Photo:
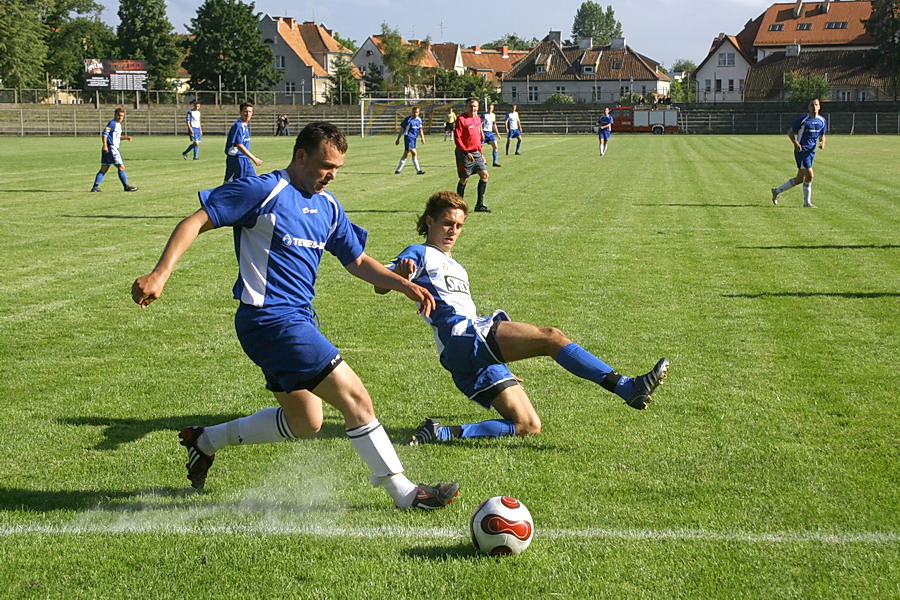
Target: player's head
[515, 107]
[472, 105]
[490, 108]
[606, 110]
[246, 111]
[318, 154]
[415, 111]
[815, 105]
[196, 105]
[119, 114]
[442, 221]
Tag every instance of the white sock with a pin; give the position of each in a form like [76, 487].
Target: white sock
[786, 186]
[262, 427]
[807, 193]
[416, 162]
[372, 444]
[402, 162]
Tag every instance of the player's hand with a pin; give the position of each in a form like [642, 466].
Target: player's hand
[146, 289]
[257, 162]
[797, 146]
[405, 268]
[423, 297]
[397, 143]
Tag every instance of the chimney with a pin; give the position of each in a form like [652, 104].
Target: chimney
[555, 36]
[585, 43]
[504, 51]
[792, 50]
[798, 8]
[476, 49]
[617, 43]
[825, 6]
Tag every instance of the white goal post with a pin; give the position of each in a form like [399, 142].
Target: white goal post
[383, 114]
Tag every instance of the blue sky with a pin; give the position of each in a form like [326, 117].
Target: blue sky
[664, 30]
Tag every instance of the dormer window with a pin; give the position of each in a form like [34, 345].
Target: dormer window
[268, 41]
[836, 25]
[804, 26]
[588, 69]
[541, 68]
[776, 27]
[617, 64]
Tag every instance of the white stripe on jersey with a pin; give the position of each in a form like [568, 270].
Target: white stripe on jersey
[254, 259]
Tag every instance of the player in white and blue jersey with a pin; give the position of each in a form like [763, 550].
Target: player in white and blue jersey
[239, 160]
[195, 131]
[806, 132]
[604, 129]
[410, 130]
[283, 223]
[514, 129]
[490, 133]
[109, 153]
[476, 349]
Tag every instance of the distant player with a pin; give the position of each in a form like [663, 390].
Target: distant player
[112, 136]
[449, 123]
[239, 160]
[490, 132]
[805, 132]
[195, 131]
[513, 129]
[604, 130]
[476, 349]
[468, 139]
[410, 130]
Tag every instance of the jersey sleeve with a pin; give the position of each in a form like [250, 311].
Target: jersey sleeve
[234, 135]
[237, 203]
[347, 241]
[416, 252]
[797, 123]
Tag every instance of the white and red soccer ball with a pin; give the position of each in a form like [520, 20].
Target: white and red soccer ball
[501, 525]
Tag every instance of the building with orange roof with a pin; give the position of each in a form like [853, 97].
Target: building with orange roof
[584, 71]
[371, 56]
[305, 54]
[791, 38]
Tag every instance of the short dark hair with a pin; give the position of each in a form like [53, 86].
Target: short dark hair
[438, 203]
[316, 133]
[246, 105]
[120, 110]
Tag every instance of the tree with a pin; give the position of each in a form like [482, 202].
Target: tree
[226, 43]
[346, 42]
[344, 86]
[145, 33]
[74, 41]
[373, 79]
[22, 45]
[452, 84]
[403, 59]
[592, 22]
[684, 65]
[884, 27]
[559, 98]
[513, 41]
[804, 89]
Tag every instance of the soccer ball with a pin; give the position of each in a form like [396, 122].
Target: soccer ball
[501, 525]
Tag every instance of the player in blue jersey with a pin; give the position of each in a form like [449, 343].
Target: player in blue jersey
[283, 223]
[476, 349]
[604, 130]
[109, 153]
[410, 130]
[490, 133]
[805, 133]
[514, 129]
[195, 131]
[239, 160]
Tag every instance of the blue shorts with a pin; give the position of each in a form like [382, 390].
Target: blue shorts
[604, 134]
[489, 137]
[111, 158]
[237, 167]
[805, 159]
[513, 133]
[288, 347]
[195, 134]
[409, 143]
[473, 359]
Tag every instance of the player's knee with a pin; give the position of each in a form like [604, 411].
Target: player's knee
[528, 426]
[554, 337]
[302, 428]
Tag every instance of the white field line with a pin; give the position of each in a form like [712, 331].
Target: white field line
[275, 529]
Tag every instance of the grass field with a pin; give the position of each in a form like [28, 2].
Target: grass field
[767, 467]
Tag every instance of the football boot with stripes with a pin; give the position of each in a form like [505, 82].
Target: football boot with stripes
[199, 462]
[426, 433]
[644, 385]
[432, 497]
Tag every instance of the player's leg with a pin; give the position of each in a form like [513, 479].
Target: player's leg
[807, 187]
[98, 178]
[508, 139]
[402, 158]
[495, 152]
[519, 143]
[796, 180]
[197, 147]
[123, 177]
[461, 186]
[415, 157]
[189, 147]
[482, 188]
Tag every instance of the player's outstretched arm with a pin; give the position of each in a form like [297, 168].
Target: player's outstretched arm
[368, 269]
[404, 268]
[149, 287]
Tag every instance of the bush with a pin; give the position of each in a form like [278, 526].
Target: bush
[559, 99]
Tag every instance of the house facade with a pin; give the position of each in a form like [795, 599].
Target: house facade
[827, 38]
[305, 54]
[586, 72]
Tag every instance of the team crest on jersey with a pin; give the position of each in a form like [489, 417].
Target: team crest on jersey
[455, 284]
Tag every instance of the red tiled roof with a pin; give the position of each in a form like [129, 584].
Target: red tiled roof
[566, 63]
[853, 12]
[428, 60]
[849, 68]
[308, 38]
[491, 61]
[446, 54]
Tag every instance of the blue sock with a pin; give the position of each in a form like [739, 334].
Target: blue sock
[492, 428]
[496, 155]
[196, 151]
[518, 144]
[123, 177]
[98, 178]
[578, 361]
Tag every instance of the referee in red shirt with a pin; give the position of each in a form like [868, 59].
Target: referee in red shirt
[467, 136]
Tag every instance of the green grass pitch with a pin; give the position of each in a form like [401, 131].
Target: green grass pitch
[767, 466]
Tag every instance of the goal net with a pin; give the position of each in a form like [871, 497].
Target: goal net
[383, 116]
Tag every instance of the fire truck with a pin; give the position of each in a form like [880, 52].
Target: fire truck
[658, 121]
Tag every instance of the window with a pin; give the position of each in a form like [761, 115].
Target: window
[617, 64]
[776, 27]
[369, 53]
[532, 93]
[861, 96]
[846, 96]
[514, 94]
[709, 85]
[836, 25]
[560, 89]
[541, 68]
[718, 85]
[731, 85]
[595, 96]
[279, 62]
[624, 91]
[290, 87]
[804, 26]
[726, 59]
[741, 84]
[588, 69]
